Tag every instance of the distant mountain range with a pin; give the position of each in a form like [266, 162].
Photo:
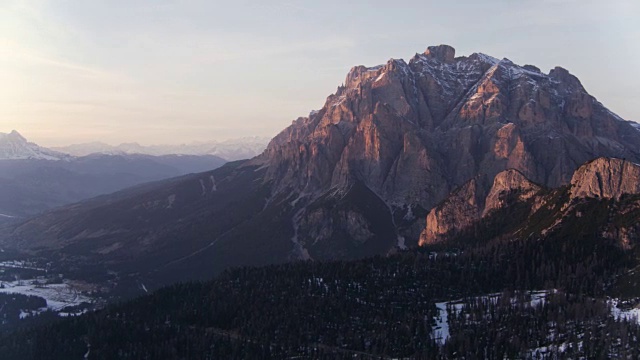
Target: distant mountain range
[34, 179]
[233, 149]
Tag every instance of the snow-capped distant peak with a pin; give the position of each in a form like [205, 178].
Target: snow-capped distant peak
[14, 146]
[232, 149]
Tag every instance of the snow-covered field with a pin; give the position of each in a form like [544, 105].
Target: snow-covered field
[58, 296]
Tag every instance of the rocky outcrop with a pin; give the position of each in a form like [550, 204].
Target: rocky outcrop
[606, 179]
[508, 182]
[443, 53]
[469, 204]
[602, 178]
[461, 209]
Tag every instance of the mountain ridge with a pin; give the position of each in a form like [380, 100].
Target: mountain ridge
[230, 150]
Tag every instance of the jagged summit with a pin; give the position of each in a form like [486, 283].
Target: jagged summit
[14, 146]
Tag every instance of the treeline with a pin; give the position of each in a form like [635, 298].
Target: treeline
[14, 307]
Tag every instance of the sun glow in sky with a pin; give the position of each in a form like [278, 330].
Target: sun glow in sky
[182, 71]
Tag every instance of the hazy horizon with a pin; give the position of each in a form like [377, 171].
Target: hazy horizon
[171, 73]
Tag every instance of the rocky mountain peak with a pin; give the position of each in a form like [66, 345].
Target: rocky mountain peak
[16, 135]
[563, 75]
[443, 53]
[606, 178]
[439, 120]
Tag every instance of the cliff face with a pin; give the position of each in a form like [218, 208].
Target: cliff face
[601, 179]
[469, 205]
[606, 178]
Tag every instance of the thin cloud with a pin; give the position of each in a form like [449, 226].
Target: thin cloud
[52, 62]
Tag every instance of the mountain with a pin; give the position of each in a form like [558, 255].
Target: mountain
[230, 150]
[34, 179]
[14, 146]
[356, 178]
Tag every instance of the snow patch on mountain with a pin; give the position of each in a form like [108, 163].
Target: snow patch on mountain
[635, 125]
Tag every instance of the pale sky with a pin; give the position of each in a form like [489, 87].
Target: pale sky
[160, 71]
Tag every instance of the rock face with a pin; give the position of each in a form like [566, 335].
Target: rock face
[602, 178]
[506, 182]
[468, 205]
[461, 209]
[443, 53]
[606, 178]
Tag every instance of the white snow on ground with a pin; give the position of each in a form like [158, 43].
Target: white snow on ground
[7, 216]
[627, 314]
[58, 296]
[539, 297]
[401, 242]
[441, 329]
[545, 352]
[18, 264]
